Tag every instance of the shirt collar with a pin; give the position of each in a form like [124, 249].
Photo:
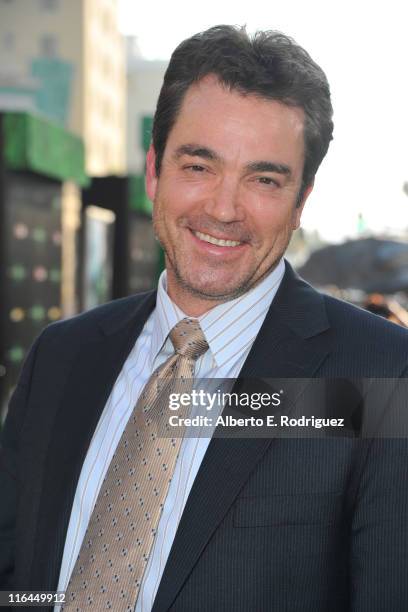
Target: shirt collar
[222, 324]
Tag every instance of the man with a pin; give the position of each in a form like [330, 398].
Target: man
[264, 524]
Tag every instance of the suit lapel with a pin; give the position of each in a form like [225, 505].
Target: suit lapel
[290, 345]
[87, 389]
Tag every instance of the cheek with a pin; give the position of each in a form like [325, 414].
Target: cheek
[169, 213]
[181, 196]
[273, 226]
[189, 193]
[272, 221]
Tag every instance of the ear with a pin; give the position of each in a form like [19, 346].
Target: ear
[151, 177]
[299, 208]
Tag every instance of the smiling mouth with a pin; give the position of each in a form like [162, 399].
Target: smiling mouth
[216, 241]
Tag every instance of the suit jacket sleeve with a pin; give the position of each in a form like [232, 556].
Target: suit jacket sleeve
[379, 542]
[10, 479]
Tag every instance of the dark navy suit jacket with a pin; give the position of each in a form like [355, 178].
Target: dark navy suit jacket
[300, 525]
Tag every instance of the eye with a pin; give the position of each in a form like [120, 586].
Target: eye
[195, 168]
[267, 180]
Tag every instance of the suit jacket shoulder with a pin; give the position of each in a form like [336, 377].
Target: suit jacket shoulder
[107, 317]
[360, 335]
[303, 323]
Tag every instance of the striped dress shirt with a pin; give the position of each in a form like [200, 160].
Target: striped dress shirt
[230, 330]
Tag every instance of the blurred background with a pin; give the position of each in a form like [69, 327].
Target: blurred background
[79, 80]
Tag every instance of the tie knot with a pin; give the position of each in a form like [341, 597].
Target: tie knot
[188, 339]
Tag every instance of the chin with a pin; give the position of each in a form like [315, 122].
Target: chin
[219, 290]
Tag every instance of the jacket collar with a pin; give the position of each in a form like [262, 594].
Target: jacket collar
[127, 311]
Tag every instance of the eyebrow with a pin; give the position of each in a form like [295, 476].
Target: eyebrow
[266, 166]
[195, 150]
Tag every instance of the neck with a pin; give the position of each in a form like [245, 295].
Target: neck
[195, 305]
[192, 305]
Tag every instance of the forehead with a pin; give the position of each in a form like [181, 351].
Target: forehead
[237, 124]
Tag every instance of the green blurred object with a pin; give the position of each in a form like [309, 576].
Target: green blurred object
[17, 272]
[138, 199]
[55, 275]
[35, 144]
[139, 202]
[16, 354]
[55, 78]
[37, 313]
[39, 234]
[147, 124]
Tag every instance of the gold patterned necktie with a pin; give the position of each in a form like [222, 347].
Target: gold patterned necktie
[117, 544]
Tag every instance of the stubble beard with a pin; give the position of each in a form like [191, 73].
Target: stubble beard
[244, 285]
[215, 296]
[187, 286]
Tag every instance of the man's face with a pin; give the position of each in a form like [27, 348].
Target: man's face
[225, 199]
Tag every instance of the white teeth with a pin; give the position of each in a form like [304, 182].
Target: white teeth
[216, 241]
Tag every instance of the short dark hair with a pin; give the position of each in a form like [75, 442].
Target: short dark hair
[269, 65]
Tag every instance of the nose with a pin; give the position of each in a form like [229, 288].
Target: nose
[224, 204]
